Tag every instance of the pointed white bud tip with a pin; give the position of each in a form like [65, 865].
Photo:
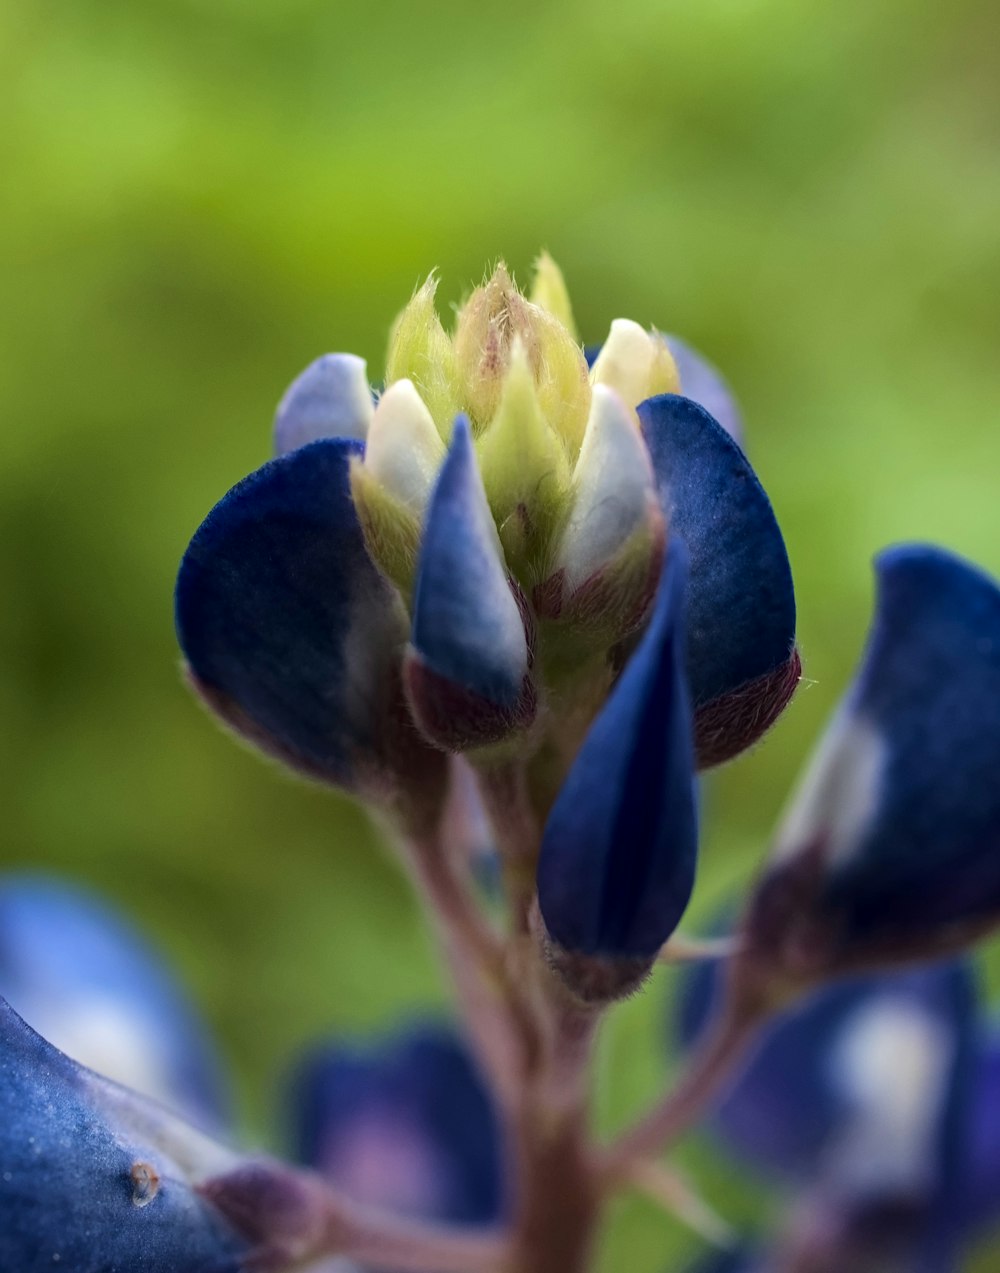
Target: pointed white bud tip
[405, 450]
[635, 362]
[614, 489]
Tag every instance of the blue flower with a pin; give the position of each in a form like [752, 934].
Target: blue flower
[404, 1125]
[859, 1098]
[304, 588]
[94, 1178]
[90, 985]
[892, 849]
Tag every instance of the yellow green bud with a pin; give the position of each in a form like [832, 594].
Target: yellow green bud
[488, 324]
[525, 471]
[549, 292]
[421, 350]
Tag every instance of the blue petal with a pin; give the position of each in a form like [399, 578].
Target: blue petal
[737, 1260]
[81, 1189]
[88, 983]
[330, 399]
[918, 838]
[407, 1126]
[981, 1170]
[467, 624]
[290, 632]
[791, 1108]
[741, 603]
[703, 383]
[618, 853]
[930, 685]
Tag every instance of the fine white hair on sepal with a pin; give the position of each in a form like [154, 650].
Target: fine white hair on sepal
[839, 795]
[404, 449]
[614, 488]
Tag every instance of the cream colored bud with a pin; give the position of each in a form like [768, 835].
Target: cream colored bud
[614, 490]
[404, 450]
[636, 363]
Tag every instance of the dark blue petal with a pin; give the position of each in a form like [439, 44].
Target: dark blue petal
[796, 1107]
[738, 1260]
[86, 1183]
[290, 632]
[981, 1170]
[618, 853]
[87, 982]
[703, 383]
[468, 627]
[330, 399]
[741, 603]
[407, 1126]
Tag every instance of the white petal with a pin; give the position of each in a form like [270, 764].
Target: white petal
[614, 489]
[404, 450]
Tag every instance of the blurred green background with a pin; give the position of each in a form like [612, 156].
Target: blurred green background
[199, 196]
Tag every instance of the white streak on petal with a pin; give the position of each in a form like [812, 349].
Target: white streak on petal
[839, 794]
[891, 1064]
[614, 488]
[140, 1124]
[105, 1036]
[404, 450]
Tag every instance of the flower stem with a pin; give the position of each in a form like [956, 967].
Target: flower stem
[708, 1070]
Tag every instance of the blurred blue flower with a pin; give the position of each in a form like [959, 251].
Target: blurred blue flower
[91, 986]
[406, 1125]
[860, 1097]
[94, 1178]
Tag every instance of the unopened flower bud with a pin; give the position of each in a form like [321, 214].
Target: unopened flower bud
[421, 350]
[468, 670]
[525, 470]
[330, 399]
[607, 563]
[488, 324]
[391, 485]
[549, 292]
[618, 853]
[636, 363]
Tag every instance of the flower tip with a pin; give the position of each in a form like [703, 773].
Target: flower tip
[470, 651]
[618, 853]
[330, 399]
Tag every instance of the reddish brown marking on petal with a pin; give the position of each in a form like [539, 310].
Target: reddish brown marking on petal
[733, 722]
[457, 719]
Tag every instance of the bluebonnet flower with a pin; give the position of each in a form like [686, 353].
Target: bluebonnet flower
[859, 1099]
[91, 986]
[480, 576]
[293, 599]
[891, 851]
[406, 1125]
[95, 1178]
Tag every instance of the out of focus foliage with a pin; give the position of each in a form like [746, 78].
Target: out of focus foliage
[197, 197]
